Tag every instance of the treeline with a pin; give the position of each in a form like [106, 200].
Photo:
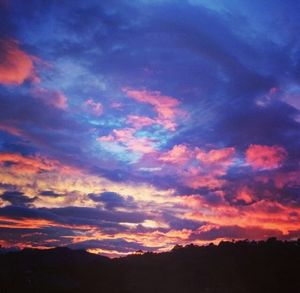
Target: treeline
[233, 267]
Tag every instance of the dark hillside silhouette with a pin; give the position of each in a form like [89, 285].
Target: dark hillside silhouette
[233, 267]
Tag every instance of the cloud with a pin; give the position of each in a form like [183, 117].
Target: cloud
[76, 218]
[11, 129]
[265, 157]
[16, 66]
[112, 199]
[49, 193]
[219, 157]
[244, 195]
[234, 232]
[4, 3]
[140, 121]
[21, 217]
[283, 179]
[166, 107]
[179, 223]
[119, 245]
[198, 168]
[195, 180]
[53, 98]
[179, 154]
[93, 107]
[37, 174]
[43, 128]
[127, 138]
[17, 198]
[94, 216]
[264, 213]
[32, 164]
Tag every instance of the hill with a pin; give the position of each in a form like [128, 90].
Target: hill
[233, 267]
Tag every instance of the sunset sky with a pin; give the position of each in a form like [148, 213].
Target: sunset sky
[141, 124]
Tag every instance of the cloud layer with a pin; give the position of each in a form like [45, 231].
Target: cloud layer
[179, 125]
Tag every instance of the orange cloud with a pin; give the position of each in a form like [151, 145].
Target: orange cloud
[265, 157]
[17, 66]
[36, 164]
[35, 223]
[34, 174]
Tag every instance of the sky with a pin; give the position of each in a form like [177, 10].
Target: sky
[137, 125]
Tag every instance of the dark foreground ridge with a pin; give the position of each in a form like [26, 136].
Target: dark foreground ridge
[265, 266]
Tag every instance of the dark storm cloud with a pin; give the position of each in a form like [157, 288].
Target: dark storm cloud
[74, 215]
[34, 118]
[180, 224]
[49, 193]
[17, 198]
[37, 237]
[25, 212]
[289, 195]
[62, 224]
[112, 200]
[80, 215]
[259, 125]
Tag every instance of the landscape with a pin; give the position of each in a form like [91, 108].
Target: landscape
[149, 146]
[233, 267]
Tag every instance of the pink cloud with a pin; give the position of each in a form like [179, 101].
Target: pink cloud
[10, 129]
[265, 157]
[222, 158]
[244, 194]
[202, 180]
[266, 214]
[51, 97]
[17, 66]
[93, 107]
[166, 107]
[287, 179]
[212, 165]
[139, 121]
[219, 156]
[179, 154]
[116, 105]
[293, 100]
[201, 168]
[126, 138]
[273, 90]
